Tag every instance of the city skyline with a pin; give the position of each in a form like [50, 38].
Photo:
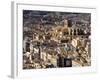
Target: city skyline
[56, 39]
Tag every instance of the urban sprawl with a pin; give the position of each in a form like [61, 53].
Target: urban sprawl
[56, 39]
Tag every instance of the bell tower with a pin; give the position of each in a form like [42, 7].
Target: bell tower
[65, 23]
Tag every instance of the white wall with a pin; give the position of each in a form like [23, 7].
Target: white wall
[5, 38]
